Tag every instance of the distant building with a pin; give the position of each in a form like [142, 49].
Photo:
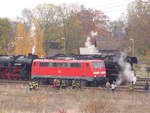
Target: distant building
[109, 51]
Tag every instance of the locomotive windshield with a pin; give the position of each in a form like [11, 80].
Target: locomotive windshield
[98, 64]
[60, 64]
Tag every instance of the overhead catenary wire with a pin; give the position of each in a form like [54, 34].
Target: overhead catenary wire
[114, 7]
[113, 4]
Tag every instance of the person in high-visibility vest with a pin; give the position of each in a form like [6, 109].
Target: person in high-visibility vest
[73, 84]
[30, 86]
[36, 85]
[77, 84]
[57, 84]
[63, 84]
[33, 85]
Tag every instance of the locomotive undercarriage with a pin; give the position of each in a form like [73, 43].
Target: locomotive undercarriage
[95, 82]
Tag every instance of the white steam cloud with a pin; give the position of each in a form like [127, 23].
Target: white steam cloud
[89, 47]
[33, 34]
[127, 73]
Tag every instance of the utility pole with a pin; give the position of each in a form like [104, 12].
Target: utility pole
[133, 42]
[64, 39]
[65, 45]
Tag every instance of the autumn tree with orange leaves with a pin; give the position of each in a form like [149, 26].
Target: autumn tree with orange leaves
[65, 28]
[6, 37]
[21, 42]
[94, 20]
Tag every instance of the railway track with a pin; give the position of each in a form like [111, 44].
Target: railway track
[139, 86]
[13, 82]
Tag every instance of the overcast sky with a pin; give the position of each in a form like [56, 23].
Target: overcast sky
[112, 8]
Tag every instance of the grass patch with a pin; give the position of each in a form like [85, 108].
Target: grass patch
[17, 99]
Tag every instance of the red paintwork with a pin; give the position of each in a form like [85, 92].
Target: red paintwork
[7, 74]
[84, 71]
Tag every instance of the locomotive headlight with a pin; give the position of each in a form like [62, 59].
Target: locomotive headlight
[96, 72]
[103, 72]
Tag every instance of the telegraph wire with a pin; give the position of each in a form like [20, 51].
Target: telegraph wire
[113, 7]
[113, 4]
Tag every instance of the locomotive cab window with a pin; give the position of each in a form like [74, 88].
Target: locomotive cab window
[75, 65]
[44, 64]
[60, 64]
[98, 64]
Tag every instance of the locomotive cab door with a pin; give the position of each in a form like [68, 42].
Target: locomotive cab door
[86, 70]
[85, 75]
[36, 67]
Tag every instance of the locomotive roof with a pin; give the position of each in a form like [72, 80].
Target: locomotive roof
[62, 60]
[24, 60]
[6, 59]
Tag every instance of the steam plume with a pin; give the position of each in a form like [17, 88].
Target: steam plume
[126, 74]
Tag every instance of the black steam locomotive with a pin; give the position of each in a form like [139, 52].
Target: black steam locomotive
[16, 67]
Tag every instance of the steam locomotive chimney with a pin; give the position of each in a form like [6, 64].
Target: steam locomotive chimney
[95, 43]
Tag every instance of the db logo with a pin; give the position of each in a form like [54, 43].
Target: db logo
[59, 71]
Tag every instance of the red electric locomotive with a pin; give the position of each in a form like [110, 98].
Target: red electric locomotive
[84, 70]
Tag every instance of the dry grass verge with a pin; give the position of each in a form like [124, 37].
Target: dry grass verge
[17, 99]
